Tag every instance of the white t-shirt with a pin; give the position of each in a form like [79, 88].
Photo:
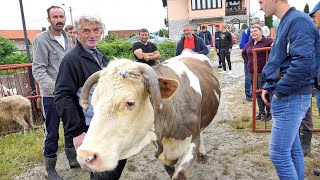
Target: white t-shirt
[61, 41]
[265, 31]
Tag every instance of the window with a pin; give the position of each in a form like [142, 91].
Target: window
[205, 4]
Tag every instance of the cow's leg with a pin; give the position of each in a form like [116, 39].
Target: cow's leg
[202, 154]
[170, 169]
[185, 163]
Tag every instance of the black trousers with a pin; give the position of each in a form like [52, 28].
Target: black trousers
[110, 175]
[225, 54]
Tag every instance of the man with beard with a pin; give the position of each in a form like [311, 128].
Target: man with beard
[49, 48]
[144, 51]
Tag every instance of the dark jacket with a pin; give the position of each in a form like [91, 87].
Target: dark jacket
[225, 40]
[206, 37]
[217, 39]
[200, 47]
[76, 67]
[292, 65]
[261, 57]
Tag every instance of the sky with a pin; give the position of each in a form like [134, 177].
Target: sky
[116, 14]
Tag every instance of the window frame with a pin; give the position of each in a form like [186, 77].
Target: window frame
[196, 3]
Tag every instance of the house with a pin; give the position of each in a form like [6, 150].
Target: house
[204, 12]
[18, 37]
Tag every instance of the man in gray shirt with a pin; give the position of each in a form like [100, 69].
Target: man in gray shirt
[49, 48]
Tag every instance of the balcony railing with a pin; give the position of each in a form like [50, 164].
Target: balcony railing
[234, 11]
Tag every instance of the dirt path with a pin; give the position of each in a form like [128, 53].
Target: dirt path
[232, 153]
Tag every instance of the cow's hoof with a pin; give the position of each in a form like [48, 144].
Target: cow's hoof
[202, 158]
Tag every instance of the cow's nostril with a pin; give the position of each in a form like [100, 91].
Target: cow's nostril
[90, 158]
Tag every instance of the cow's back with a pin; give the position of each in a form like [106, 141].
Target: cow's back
[196, 101]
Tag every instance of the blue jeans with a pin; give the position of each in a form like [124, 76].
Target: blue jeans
[285, 149]
[318, 99]
[247, 84]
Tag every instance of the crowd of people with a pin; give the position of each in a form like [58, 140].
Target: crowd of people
[64, 58]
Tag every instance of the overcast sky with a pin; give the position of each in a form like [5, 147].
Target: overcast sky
[116, 14]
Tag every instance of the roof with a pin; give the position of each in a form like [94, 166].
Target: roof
[18, 34]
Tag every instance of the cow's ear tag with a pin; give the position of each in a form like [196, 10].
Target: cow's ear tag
[168, 87]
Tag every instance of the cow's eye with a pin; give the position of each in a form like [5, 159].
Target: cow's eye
[130, 105]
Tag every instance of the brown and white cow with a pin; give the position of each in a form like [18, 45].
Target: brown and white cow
[184, 95]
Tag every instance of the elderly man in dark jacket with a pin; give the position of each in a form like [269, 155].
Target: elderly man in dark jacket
[77, 66]
[190, 41]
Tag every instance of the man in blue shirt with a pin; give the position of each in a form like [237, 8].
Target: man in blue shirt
[289, 72]
[206, 37]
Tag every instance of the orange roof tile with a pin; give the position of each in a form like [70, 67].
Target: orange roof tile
[18, 34]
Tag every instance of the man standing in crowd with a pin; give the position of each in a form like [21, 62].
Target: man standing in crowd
[191, 41]
[49, 48]
[315, 15]
[71, 30]
[265, 29]
[216, 43]
[145, 51]
[206, 37]
[77, 66]
[245, 38]
[225, 47]
[289, 73]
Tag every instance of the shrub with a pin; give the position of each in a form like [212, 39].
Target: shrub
[7, 47]
[244, 26]
[117, 49]
[15, 58]
[111, 38]
[167, 50]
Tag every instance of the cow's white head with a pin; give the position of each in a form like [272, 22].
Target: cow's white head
[123, 113]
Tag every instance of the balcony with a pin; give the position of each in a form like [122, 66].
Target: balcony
[236, 11]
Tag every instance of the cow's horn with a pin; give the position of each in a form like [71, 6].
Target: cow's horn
[154, 85]
[86, 89]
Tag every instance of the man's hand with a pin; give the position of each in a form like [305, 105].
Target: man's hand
[265, 98]
[146, 58]
[77, 141]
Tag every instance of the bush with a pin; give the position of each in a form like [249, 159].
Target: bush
[167, 50]
[111, 38]
[7, 47]
[117, 49]
[15, 58]
[123, 49]
[244, 26]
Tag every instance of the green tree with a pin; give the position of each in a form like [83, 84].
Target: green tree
[244, 26]
[306, 9]
[111, 38]
[7, 47]
[163, 33]
[268, 21]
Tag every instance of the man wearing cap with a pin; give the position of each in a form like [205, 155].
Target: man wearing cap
[315, 15]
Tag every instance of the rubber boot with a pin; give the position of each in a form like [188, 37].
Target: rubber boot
[305, 139]
[316, 171]
[72, 157]
[50, 164]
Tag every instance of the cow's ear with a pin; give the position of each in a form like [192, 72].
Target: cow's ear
[167, 87]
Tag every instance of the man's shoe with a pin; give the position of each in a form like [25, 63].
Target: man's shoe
[316, 171]
[72, 157]
[249, 99]
[259, 117]
[219, 66]
[223, 72]
[267, 117]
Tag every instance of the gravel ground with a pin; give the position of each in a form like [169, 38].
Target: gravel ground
[232, 153]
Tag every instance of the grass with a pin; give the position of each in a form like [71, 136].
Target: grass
[19, 152]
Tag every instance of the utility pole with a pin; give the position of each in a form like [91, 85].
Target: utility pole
[70, 9]
[32, 83]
